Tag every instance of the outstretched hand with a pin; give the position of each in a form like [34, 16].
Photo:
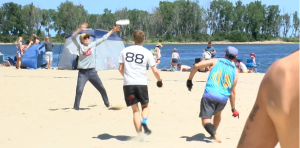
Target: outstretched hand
[116, 28]
[84, 26]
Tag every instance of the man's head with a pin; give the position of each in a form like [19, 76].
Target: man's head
[46, 38]
[0, 51]
[175, 50]
[209, 44]
[34, 36]
[231, 53]
[85, 38]
[238, 60]
[138, 37]
[179, 65]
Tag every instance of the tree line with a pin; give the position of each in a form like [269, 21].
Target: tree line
[178, 21]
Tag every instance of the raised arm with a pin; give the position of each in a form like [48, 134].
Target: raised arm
[28, 45]
[115, 29]
[75, 34]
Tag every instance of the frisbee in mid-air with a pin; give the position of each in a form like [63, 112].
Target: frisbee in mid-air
[122, 22]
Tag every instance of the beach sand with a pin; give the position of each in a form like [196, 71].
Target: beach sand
[36, 112]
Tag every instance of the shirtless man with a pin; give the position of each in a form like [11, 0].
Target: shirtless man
[275, 115]
[184, 67]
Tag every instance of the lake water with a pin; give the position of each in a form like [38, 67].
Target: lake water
[265, 54]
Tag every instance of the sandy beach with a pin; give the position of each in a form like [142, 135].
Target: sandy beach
[36, 111]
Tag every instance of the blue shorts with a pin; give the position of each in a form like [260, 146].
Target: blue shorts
[174, 60]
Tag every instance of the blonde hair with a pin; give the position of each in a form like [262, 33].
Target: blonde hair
[138, 36]
[19, 39]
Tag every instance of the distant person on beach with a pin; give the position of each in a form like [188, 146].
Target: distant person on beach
[275, 114]
[86, 63]
[158, 54]
[133, 60]
[175, 58]
[6, 63]
[252, 55]
[48, 55]
[220, 86]
[34, 41]
[241, 66]
[184, 67]
[210, 49]
[20, 51]
[207, 55]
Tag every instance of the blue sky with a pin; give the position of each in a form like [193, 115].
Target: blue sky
[97, 6]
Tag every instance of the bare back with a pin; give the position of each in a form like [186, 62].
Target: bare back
[275, 115]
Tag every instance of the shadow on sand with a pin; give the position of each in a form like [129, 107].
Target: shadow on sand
[108, 136]
[56, 109]
[199, 137]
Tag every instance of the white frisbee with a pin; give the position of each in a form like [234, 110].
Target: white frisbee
[122, 22]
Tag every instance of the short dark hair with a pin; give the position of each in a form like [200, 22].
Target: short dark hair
[0, 51]
[238, 60]
[230, 56]
[209, 42]
[178, 65]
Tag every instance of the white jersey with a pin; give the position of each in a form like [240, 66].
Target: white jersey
[135, 59]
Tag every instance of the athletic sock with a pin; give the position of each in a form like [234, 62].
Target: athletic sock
[144, 120]
[210, 129]
[146, 129]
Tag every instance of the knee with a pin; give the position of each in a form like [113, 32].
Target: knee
[144, 106]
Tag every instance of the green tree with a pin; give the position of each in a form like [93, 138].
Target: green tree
[12, 19]
[286, 24]
[295, 23]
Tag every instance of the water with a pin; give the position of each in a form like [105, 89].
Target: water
[265, 54]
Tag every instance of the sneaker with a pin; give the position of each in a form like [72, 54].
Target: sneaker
[147, 131]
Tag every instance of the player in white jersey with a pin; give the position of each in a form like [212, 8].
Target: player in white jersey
[133, 61]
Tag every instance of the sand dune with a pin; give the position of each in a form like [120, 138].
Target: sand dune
[36, 112]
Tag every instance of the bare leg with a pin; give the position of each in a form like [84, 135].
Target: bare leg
[217, 120]
[136, 117]
[145, 111]
[208, 121]
[49, 66]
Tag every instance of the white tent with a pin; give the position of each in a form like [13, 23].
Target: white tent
[107, 53]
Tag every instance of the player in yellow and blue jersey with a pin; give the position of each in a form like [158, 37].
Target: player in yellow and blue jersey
[219, 87]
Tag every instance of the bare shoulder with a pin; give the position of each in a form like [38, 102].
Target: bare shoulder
[279, 82]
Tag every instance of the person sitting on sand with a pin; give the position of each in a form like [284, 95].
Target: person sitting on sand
[184, 67]
[5, 62]
[241, 66]
[275, 114]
